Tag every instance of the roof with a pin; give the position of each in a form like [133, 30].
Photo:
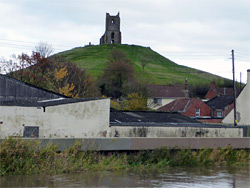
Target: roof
[165, 91]
[214, 91]
[220, 102]
[156, 119]
[45, 103]
[121, 117]
[178, 105]
[13, 89]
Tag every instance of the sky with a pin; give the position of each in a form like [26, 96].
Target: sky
[196, 33]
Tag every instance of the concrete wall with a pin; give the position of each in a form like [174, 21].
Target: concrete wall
[135, 144]
[74, 120]
[154, 132]
[242, 106]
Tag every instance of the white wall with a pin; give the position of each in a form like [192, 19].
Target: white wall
[242, 106]
[157, 132]
[164, 101]
[74, 120]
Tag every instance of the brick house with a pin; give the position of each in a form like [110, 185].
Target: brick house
[191, 107]
[215, 91]
[220, 106]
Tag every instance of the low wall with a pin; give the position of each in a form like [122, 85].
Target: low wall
[135, 144]
[175, 131]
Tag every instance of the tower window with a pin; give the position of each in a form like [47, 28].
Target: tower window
[112, 35]
[112, 21]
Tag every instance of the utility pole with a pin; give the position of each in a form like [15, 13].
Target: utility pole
[240, 81]
[234, 90]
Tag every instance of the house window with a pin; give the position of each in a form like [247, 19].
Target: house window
[158, 101]
[219, 113]
[197, 112]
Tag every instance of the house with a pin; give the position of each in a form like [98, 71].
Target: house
[161, 95]
[242, 106]
[220, 106]
[191, 107]
[214, 91]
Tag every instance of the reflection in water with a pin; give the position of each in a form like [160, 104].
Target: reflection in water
[174, 178]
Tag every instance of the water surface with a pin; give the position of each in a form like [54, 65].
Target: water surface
[173, 178]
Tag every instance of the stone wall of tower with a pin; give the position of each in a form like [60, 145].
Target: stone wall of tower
[112, 33]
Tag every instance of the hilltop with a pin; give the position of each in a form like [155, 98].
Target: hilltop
[158, 69]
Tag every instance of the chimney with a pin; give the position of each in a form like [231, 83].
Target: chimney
[186, 84]
[212, 86]
[186, 88]
[248, 76]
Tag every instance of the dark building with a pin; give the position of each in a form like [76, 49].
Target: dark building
[15, 90]
[112, 33]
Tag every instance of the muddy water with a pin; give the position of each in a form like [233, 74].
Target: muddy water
[173, 178]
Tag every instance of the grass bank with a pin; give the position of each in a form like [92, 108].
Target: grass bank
[19, 156]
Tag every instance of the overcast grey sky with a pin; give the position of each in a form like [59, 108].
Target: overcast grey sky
[195, 33]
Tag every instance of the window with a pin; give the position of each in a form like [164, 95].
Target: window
[219, 113]
[31, 131]
[197, 112]
[112, 35]
[112, 21]
[158, 101]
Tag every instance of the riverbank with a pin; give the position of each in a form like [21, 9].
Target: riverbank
[19, 156]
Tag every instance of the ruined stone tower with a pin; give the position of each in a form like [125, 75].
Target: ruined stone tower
[112, 33]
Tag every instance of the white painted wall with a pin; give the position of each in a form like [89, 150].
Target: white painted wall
[152, 105]
[157, 132]
[242, 106]
[74, 120]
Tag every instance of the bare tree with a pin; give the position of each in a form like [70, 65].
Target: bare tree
[11, 65]
[44, 49]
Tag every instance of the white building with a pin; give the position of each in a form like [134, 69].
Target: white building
[242, 106]
[55, 118]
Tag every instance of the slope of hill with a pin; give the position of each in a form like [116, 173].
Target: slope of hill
[158, 69]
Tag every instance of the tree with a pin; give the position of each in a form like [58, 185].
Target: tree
[117, 76]
[60, 77]
[144, 62]
[44, 49]
[135, 101]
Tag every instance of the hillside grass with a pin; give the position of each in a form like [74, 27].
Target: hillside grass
[158, 70]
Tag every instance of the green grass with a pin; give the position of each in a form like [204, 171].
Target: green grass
[18, 156]
[158, 70]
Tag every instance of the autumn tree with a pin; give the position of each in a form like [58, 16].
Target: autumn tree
[118, 76]
[134, 101]
[60, 77]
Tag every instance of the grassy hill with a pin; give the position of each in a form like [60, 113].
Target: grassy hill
[158, 69]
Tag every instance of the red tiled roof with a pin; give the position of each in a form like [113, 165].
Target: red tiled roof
[179, 105]
[165, 91]
[214, 91]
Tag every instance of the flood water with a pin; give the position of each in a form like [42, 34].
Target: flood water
[173, 178]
